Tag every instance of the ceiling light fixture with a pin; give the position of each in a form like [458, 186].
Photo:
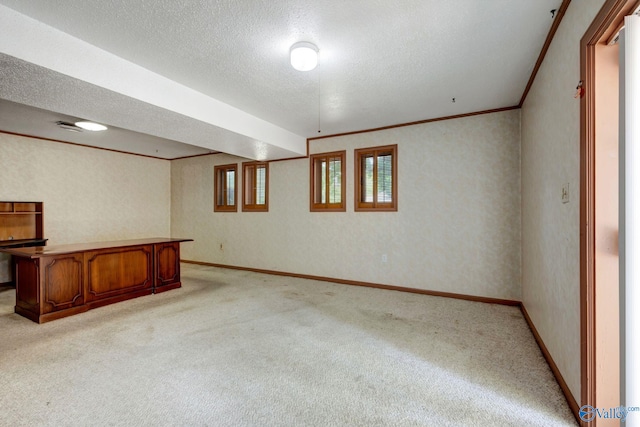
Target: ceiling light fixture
[91, 126]
[304, 56]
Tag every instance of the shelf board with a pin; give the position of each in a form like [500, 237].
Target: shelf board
[20, 213]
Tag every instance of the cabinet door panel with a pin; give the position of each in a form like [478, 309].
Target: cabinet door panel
[62, 282]
[167, 264]
[113, 272]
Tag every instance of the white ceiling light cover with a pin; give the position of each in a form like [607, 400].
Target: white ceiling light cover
[95, 127]
[304, 56]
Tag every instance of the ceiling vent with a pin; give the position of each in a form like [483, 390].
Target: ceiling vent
[68, 126]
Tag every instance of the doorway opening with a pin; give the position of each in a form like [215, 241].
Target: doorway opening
[599, 208]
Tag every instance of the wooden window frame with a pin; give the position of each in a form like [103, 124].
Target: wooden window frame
[375, 205]
[220, 173]
[314, 182]
[254, 207]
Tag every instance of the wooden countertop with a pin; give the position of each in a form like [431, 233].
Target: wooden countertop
[42, 251]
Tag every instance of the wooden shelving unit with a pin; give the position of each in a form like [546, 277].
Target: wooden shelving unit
[20, 222]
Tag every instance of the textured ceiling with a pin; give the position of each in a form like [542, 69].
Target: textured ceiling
[381, 62]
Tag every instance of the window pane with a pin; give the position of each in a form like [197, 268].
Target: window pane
[219, 189]
[335, 180]
[377, 179]
[230, 190]
[327, 170]
[249, 185]
[319, 183]
[385, 187]
[225, 181]
[260, 185]
[367, 178]
[254, 187]
[323, 181]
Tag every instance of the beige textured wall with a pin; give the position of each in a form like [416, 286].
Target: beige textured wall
[89, 195]
[457, 228]
[551, 229]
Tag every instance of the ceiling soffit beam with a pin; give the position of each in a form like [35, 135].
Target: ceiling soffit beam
[33, 41]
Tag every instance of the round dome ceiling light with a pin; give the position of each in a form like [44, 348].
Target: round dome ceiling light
[95, 127]
[304, 56]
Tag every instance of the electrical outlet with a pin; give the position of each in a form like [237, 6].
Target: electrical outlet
[565, 193]
[384, 257]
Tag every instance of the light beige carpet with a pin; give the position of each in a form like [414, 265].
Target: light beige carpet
[234, 348]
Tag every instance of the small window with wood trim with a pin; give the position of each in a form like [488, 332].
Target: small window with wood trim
[376, 177]
[225, 188]
[255, 176]
[328, 179]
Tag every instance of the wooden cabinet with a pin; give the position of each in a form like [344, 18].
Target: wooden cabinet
[59, 281]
